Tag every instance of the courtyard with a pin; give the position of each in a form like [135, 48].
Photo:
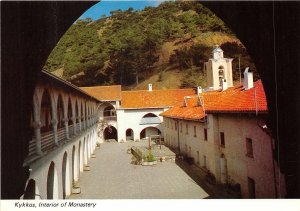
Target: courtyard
[112, 176]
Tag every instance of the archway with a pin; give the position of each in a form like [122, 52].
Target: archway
[110, 133]
[74, 165]
[52, 182]
[65, 176]
[129, 135]
[46, 114]
[148, 131]
[30, 190]
[80, 159]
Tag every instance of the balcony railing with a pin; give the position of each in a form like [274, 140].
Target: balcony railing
[47, 138]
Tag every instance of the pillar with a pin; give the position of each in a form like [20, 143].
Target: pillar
[54, 127]
[65, 120]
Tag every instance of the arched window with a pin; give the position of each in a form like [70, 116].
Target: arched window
[221, 74]
[149, 115]
[150, 118]
[109, 111]
[46, 114]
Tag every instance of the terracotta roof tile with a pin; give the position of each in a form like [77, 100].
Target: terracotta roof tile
[109, 93]
[154, 99]
[232, 100]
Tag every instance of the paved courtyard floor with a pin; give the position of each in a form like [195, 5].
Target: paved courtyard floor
[112, 176]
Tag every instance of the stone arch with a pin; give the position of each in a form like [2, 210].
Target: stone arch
[150, 118]
[129, 134]
[110, 133]
[46, 112]
[65, 176]
[31, 190]
[80, 159]
[84, 150]
[52, 182]
[148, 131]
[75, 161]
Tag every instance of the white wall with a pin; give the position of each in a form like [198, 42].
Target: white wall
[130, 118]
[40, 167]
[236, 129]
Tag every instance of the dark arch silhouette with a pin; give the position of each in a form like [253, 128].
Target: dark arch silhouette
[149, 115]
[64, 173]
[25, 59]
[46, 114]
[111, 133]
[129, 134]
[50, 181]
[30, 190]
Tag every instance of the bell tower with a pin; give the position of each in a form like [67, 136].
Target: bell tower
[218, 70]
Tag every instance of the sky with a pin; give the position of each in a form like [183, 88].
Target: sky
[105, 6]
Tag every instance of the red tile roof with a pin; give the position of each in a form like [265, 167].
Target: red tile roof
[232, 100]
[154, 99]
[104, 93]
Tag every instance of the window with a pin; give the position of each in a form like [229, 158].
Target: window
[187, 128]
[195, 131]
[205, 134]
[249, 147]
[180, 127]
[171, 124]
[222, 137]
[175, 125]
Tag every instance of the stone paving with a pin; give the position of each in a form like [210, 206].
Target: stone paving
[112, 176]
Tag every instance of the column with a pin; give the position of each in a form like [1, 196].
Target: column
[65, 120]
[54, 127]
[74, 123]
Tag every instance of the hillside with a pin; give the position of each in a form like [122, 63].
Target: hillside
[165, 45]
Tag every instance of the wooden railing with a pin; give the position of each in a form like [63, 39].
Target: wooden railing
[47, 140]
[31, 147]
[61, 134]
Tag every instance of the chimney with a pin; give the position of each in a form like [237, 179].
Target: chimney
[150, 87]
[248, 79]
[199, 89]
[224, 84]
